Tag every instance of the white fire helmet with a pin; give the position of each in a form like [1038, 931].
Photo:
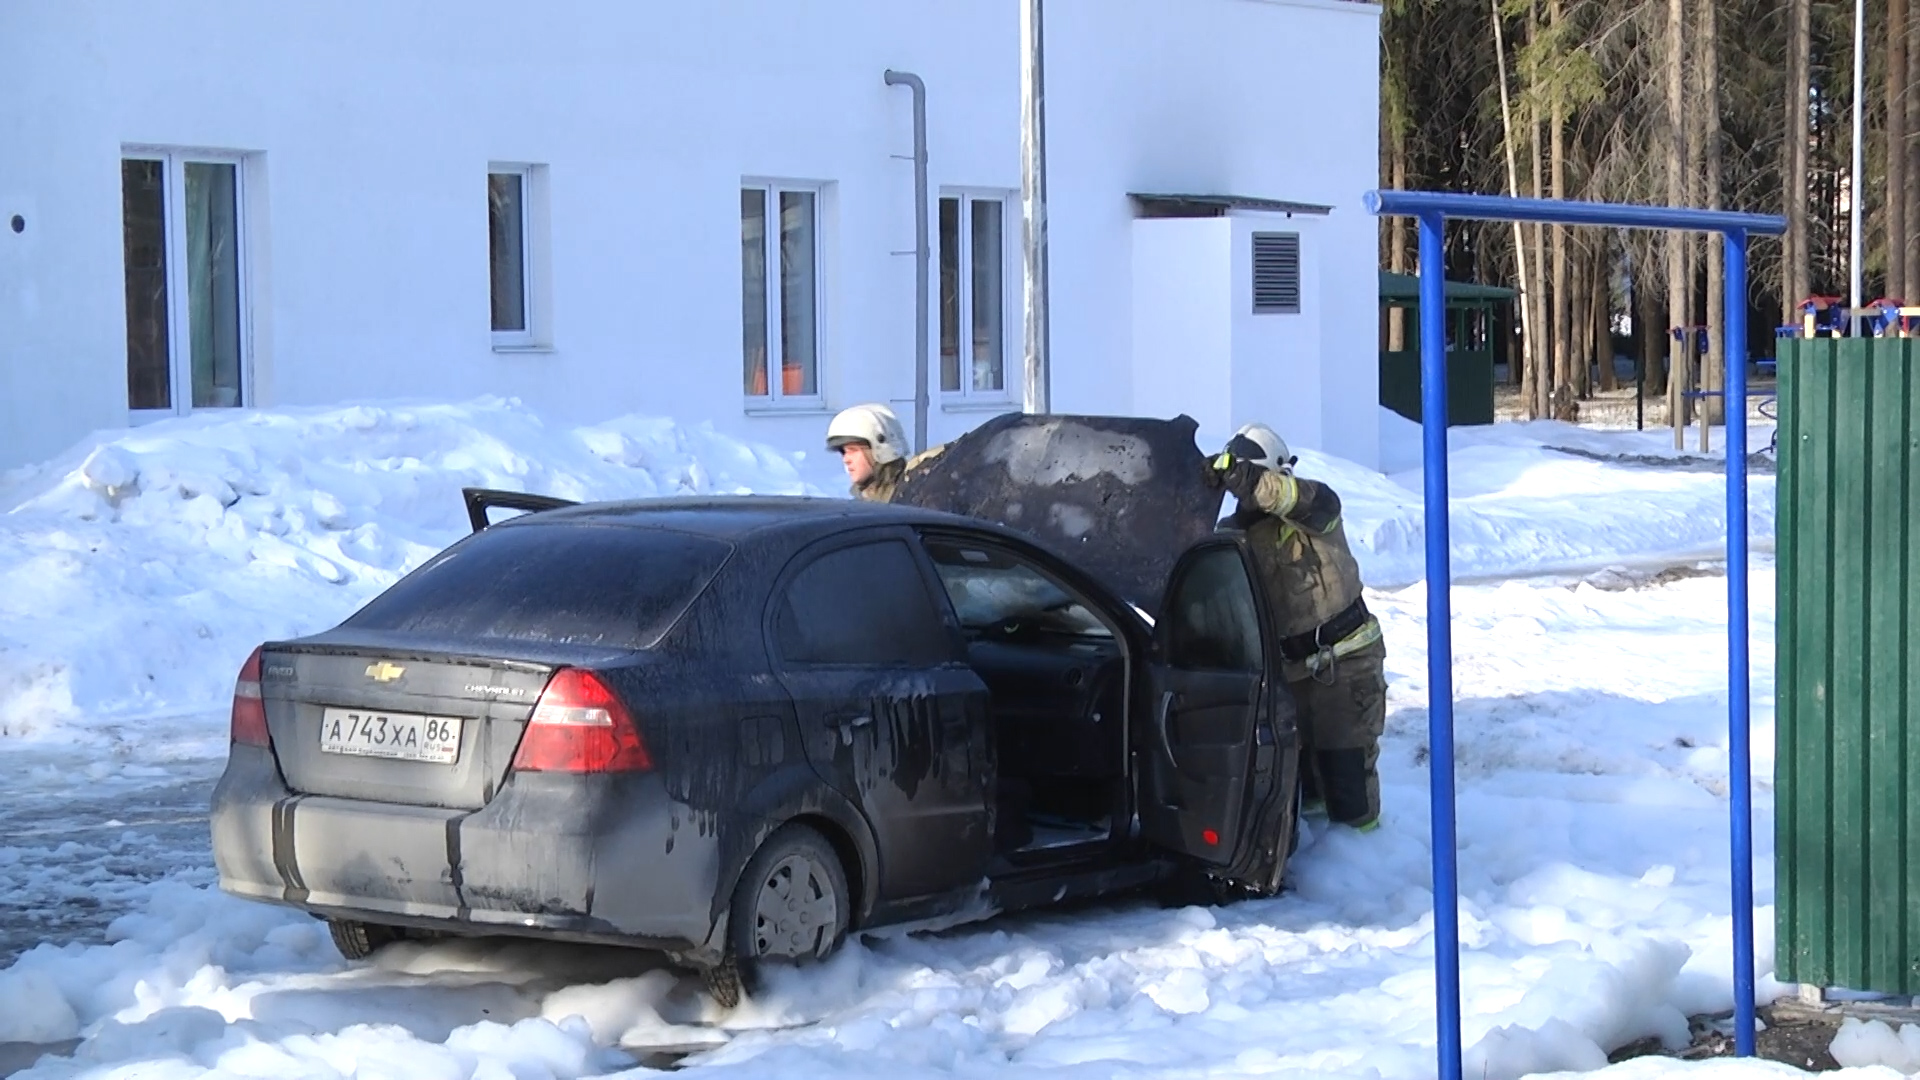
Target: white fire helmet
[1274, 452]
[875, 425]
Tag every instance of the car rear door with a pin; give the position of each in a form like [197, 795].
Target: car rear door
[889, 711]
[1217, 746]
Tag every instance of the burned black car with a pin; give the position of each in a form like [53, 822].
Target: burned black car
[737, 729]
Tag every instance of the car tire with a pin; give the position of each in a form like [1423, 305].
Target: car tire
[358, 940]
[790, 907]
[724, 983]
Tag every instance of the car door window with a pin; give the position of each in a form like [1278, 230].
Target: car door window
[864, 605]
[993, 591]
[1211, 618]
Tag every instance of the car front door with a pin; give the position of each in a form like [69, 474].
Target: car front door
[889, 711]
[1217, 747]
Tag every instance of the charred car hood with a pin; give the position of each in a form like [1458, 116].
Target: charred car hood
[1121, 496]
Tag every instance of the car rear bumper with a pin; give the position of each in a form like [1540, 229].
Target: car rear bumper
[600, 858]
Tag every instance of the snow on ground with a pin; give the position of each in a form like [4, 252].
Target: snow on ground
[139, 569]
[1591, 760]
[1544, 497]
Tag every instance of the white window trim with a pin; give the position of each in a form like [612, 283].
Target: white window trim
[174, 161]
[776, 400]
[1012, 326]
[535, 269]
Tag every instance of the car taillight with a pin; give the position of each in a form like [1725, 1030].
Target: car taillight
[580, 726]
[249, 711]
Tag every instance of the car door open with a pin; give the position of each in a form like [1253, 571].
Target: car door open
[1217, 747]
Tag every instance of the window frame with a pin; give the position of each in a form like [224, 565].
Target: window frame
[778, 599]
[776, 399]
[173, 162]
[536, 336]
[1065, 579]
[966, 398]
[1172, 619]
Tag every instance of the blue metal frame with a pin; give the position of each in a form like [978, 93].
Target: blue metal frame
[1432, 209]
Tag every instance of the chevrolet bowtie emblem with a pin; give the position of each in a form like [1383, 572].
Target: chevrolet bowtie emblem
[384, 672]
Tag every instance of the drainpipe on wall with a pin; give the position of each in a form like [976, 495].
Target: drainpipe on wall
[923, 253]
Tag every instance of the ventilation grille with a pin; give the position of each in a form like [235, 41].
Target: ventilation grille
[1276, 273]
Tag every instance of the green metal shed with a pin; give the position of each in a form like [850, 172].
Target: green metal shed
[1478, 329]
[1847, 732]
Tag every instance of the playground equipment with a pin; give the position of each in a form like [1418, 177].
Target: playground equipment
[1826, 316]
[1431, 209]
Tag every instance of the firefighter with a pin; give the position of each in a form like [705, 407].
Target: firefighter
[873, 447]
[1333, 653]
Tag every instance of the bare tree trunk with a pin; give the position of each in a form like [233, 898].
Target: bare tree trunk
[1679, 285]
[1909, 248]
[1520, 368]
[1580, 324]
[1562, 293]
[1716, 409]
[1603, 320]
[1898, 285]
[1797, 275]
[1541, 353]
[1653, 346]
[1399, 245]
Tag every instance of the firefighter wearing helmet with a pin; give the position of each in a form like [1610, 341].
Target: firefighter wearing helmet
[873, 447]
[1333, 653]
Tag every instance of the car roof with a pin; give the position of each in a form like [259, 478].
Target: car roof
[749, 517]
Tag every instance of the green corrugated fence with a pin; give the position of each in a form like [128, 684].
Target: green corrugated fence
[1847, 771]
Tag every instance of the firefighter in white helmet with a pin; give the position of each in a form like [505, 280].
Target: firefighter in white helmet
[873, 447]
[1333, 654]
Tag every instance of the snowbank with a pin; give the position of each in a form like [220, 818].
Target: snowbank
[1542, 497]
[139, 569]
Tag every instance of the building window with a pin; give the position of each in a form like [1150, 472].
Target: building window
[184, 254]
[516, 197]
[973, 294]
[780, 319]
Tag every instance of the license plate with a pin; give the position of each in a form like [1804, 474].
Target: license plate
[400, 736]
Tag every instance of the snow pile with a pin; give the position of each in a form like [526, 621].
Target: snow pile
[138, 570]
[1860, 1043]
[1542, 497]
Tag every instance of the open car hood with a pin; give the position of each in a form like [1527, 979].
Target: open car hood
[1121, 496]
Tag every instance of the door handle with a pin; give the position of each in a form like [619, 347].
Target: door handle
[1160, 717]
[848, 721]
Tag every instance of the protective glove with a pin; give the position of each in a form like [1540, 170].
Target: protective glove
[1238, 475]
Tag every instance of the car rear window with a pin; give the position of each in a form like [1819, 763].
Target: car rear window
[610, 585]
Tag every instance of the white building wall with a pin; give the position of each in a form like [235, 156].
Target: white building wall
[1282, 367]
[1182, 301]
[372, 125]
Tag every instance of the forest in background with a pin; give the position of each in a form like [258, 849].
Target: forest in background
[1726, 104]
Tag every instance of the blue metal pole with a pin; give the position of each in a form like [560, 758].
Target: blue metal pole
[1739, 708]
[1433, 429]
[1559, 212]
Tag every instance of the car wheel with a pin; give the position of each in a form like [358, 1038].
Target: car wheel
[358, 940]
[791, 904]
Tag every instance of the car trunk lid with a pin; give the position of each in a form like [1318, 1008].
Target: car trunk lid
[378, 717]
[1122, 496]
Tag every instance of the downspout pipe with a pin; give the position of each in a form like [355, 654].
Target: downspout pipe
[923, 255]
